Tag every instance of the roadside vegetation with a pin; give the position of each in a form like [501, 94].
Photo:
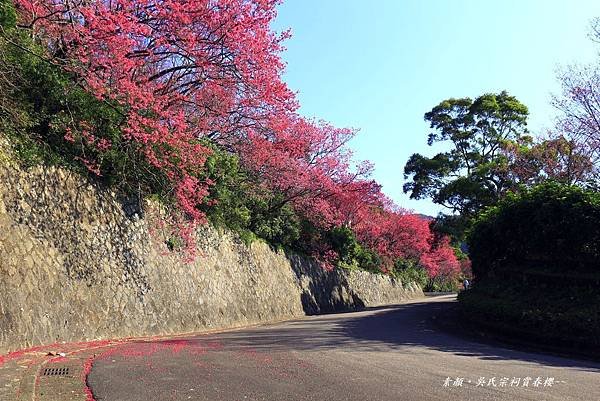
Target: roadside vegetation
[186, 106]
[183, 103]
[524, 207]
[535, 258]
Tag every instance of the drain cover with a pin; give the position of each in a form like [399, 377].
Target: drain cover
[63, 371]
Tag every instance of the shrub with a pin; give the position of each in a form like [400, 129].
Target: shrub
[351, 254]
[409, 271]
[535, 260]
[8, 16]
[550, 227]
[442, 283]
[229, 193]
[566, 316]
[280, 226]
[235, 203]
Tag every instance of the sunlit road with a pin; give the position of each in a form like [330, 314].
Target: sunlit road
[383, 354]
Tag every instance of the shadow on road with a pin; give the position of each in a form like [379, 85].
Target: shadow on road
[402, 327]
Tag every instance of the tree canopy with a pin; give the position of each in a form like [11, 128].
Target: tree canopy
[579, 107]
[183, 101]
[469, 175]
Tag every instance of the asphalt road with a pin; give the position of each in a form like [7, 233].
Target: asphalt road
[380, 354]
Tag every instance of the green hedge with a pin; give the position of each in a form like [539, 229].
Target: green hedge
[566, 317]
[535, 258]
[549, 228]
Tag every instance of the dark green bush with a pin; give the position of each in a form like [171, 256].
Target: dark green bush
[230, 191]
[351, 253]
[441, 283]
[536, 265]
[344, 242]
[409, 271]
[551, 228]
[279, 225]
[8, 16]
[236, 204]
[565, 316]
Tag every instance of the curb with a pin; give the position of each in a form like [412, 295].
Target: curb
[22, 371]
[49, 373]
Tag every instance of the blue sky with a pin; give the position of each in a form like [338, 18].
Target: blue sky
[380, 65]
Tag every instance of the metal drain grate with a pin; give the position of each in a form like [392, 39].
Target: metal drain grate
[56, 371]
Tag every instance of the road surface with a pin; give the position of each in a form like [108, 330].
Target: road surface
[380, 354]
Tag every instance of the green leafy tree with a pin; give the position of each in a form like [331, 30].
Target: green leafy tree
[471, 173]
[229, 194]
[351, 253]
[237, 203]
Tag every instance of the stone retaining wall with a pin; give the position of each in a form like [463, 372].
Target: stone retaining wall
[78, 264]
